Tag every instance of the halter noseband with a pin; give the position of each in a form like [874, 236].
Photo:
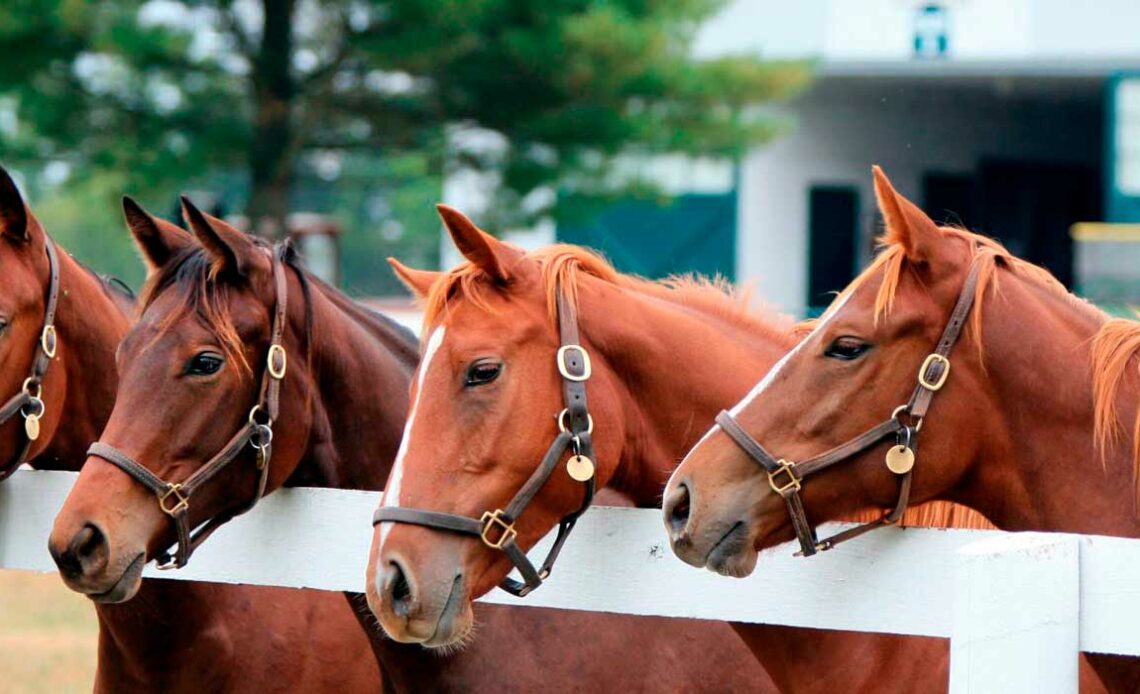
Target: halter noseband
[174, 497]
[496, 528]
[28, 402]
[786, 477]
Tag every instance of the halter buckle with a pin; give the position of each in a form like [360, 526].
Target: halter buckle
[492, 520]
[931, 360]
[277, 361]
[793, 482]
[564, 368]
[183, 502]
[49, 341]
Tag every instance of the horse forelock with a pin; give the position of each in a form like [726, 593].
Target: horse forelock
[562, 268]
[192, 279]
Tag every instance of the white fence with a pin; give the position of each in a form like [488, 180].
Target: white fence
[1016, 607]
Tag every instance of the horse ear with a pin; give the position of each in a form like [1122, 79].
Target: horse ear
[232, 250]
[158, 240]
[907, 225]
[485, 252]
[13, 213]
[419, 281]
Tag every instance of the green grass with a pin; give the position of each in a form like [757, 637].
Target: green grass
[47, 635]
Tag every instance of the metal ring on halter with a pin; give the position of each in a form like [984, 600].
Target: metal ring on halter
[562, 421]
[49, 341]
[30, 381]
[904, 436]
[903, 408]
[261, 437]
[254, 412]
[37, 404]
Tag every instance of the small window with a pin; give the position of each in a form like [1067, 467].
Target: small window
[930, 32]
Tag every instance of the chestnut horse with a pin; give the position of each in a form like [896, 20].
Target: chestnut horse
[191, 369]
[665, 358]
[1025, 428]
[175, 636]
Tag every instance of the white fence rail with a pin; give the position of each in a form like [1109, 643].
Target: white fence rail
[1013, 603]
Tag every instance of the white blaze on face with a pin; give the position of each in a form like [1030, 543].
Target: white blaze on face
[768, 378]
[392, 490]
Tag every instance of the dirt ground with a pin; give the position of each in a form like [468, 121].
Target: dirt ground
[47, 636]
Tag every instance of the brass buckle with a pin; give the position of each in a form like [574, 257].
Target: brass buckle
[49, 341]
[174, 490]
[793, 481]
[930, 361]
[492, 520]
[562, 421]
[564, 369]
[277, 361]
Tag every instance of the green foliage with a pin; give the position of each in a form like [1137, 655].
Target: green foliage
[153, 97]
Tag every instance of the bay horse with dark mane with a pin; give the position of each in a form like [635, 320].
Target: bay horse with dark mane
[1025, 399]
[244, 374]
[175, 636]
[496, 410]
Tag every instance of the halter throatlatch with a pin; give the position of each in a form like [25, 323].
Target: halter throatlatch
[496, 528]
[786, 477]
[29, 402]
[174, 497]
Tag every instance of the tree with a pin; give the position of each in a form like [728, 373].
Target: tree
[171, 93]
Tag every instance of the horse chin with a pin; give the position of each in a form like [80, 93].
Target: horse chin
[454, 630]
[733, 555]
[126, 587]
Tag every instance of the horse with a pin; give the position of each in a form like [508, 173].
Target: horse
[1026, 427]
[175, 636]
[505, 335]
[229, 325]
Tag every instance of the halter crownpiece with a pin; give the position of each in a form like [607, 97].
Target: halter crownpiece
[29, 401]
[496, 528]
[786, 478]
[174, 497]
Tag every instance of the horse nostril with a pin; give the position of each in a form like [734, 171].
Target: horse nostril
[399, 591]
[678, 511]
[86, 554]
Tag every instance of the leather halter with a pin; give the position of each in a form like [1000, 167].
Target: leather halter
[497, 528]
[786, 477]
[174, 497]
[28, 402]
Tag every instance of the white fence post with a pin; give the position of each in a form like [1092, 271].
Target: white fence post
[1016, 615]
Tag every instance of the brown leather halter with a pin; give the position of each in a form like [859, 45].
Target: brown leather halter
[786, 477]
[28, 401]
[497, 528]
[174, 497]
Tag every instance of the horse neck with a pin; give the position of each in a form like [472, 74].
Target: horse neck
[361, 366]
[1037, 465]
[660, 352]
[90, 324]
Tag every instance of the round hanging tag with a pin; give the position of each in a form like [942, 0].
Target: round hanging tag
[580, 468]
[900, 459]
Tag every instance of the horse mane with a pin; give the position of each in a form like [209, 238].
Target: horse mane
[1114, 349]
[562, 268]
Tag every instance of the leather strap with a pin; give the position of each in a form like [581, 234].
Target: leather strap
[496, 528]
[174, 497]
[28, 401]
[786, 478]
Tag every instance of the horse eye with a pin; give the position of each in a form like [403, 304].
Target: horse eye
[204, 364]
[482, 372]
[3, 324]
[847, 348]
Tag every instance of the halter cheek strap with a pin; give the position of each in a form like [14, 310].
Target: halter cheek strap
[28, 402]
[786, 477]
[496, 528]
[174, 497]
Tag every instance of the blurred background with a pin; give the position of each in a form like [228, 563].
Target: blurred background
[717, 136]
[730, 137]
